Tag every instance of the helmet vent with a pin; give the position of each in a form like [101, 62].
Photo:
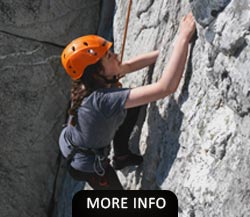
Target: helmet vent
[74, 72]
[64, 56]
[86, 44]
[104, 43]
[92, 52]
[73, 48]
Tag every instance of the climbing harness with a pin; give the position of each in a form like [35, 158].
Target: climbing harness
[100, 156]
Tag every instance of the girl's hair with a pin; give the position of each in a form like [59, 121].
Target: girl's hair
[89, 82]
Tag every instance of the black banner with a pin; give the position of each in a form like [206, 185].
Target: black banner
[125, 203]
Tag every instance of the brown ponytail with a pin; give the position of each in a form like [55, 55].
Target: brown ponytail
[78, 92]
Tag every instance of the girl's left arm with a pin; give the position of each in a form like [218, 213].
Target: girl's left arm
[139, 62]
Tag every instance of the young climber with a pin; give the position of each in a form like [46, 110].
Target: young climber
[101, 112]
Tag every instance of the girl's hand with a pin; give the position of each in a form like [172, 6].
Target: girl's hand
[187, 26]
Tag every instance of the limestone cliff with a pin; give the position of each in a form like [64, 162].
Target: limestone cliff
[196, 141]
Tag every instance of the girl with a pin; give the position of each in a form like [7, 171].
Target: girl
[101, 112]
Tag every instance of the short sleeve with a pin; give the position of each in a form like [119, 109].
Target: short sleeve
[111, 101]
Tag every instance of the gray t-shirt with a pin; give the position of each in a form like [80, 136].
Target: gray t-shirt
[99, 117]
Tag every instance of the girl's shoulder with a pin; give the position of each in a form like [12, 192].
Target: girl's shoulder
[106, 95]
[110, 90]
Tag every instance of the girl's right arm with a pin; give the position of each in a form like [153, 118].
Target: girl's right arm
[139, 62]
[172, 74]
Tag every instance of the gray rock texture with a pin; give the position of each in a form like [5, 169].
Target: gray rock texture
[34, 94]
[52, 21]
[196, 141]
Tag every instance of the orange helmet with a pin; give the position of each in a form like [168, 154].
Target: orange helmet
[82, 52]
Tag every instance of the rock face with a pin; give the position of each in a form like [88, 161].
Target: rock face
[196, 141]
[50, 21]
[34, 94]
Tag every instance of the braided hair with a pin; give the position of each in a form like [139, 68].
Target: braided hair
[83, 87]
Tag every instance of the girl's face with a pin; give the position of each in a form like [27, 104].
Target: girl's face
[111, 64]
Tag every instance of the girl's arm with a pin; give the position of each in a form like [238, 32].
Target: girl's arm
[139, 62]
[172, 74]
